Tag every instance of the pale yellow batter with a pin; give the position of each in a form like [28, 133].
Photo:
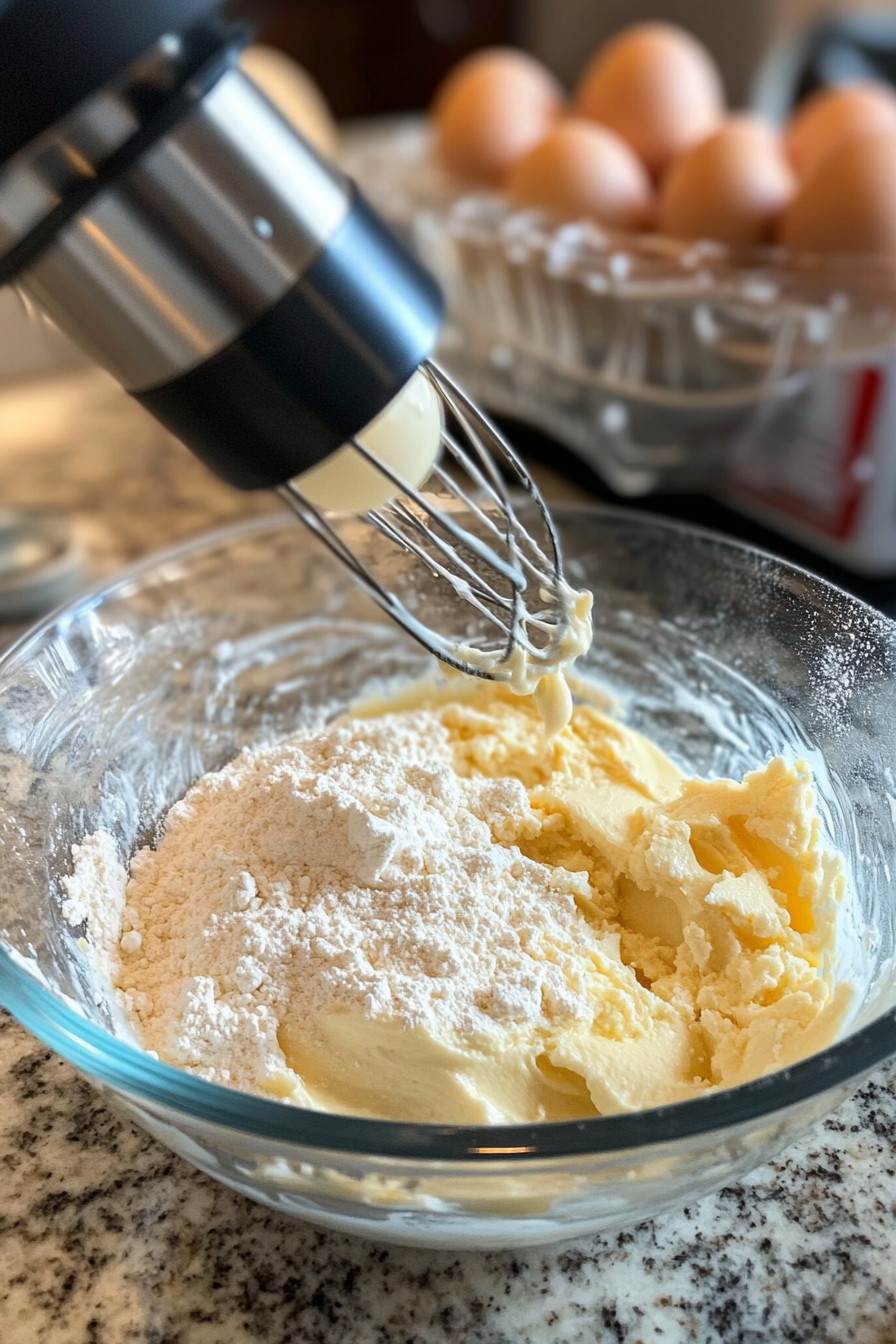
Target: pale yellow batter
[707, 922]
[436, 911]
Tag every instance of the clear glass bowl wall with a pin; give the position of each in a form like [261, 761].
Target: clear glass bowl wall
[722, 655]
[652, 359]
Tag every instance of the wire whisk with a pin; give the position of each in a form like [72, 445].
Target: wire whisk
[454, 563]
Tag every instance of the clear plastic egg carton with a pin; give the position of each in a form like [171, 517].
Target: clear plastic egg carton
[650, 358]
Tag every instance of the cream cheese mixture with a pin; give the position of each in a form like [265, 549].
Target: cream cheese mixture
[440, 913]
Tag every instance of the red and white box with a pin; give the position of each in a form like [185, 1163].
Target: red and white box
[822, 469]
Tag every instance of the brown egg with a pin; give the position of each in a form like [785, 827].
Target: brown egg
[830, 117]
[657, 87]
[848, 204]
[490, 110]
[582, 170]
[732, 187]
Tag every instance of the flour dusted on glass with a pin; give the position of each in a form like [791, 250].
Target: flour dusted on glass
[95, 896]
[351, 871]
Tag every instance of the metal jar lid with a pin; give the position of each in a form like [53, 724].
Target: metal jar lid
[41, 562]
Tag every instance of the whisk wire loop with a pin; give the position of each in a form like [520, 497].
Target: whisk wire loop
[400, 513]
[486, 577]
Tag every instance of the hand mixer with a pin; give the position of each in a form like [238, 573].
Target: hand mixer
[158, 208]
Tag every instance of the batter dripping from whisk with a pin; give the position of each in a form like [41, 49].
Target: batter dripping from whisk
[471, 545]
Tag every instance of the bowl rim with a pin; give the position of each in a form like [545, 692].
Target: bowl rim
[149, 1083]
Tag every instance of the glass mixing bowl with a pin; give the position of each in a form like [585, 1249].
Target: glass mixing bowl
[722, 655]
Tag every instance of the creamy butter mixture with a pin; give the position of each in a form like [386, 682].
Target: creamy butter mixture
[442, 914]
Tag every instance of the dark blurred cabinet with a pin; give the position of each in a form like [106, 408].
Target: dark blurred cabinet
[375, 56]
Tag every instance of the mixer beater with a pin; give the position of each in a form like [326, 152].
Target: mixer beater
[496, 582]
[159, 209]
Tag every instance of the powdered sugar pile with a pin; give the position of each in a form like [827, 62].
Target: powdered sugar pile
[350, 870]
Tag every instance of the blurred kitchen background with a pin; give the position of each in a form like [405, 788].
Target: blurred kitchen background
[835, 429]
[371, 58]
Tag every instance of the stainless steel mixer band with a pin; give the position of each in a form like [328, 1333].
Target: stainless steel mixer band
[72, 153]
[211, 227]
[34, 184]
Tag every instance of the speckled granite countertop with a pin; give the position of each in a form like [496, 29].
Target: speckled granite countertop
[105, 1238]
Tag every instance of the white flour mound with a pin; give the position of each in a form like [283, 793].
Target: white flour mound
[349, 870]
